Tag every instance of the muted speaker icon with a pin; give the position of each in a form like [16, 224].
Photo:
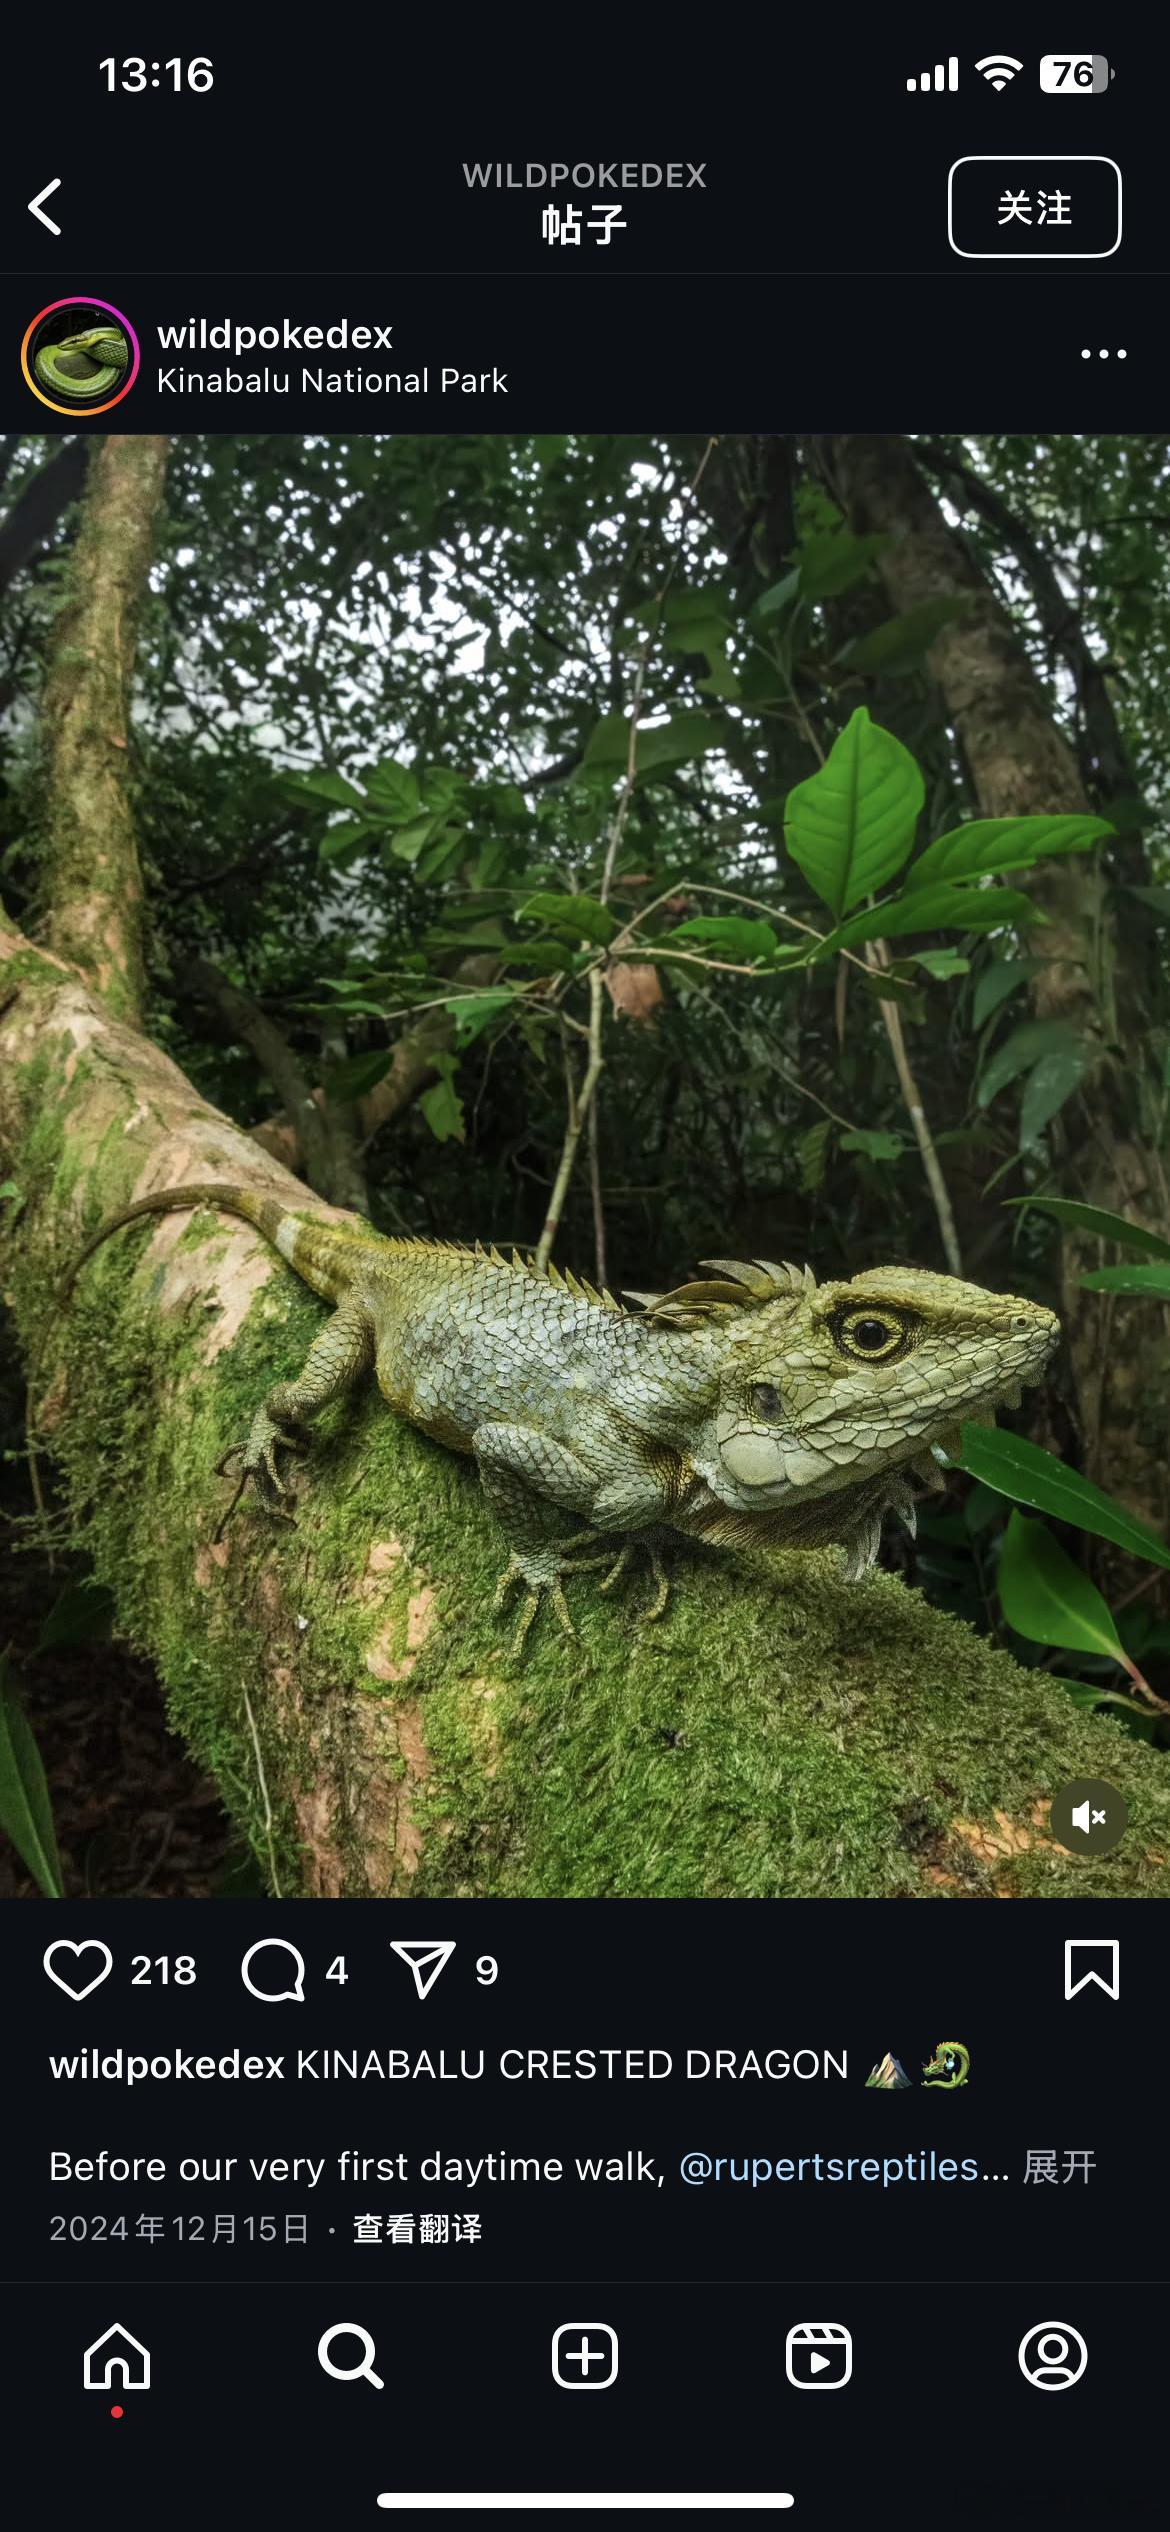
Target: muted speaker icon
[1089, 1816]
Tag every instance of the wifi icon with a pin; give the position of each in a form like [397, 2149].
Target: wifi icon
[998, 68]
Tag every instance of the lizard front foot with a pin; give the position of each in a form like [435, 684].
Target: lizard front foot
[539, 1571]
[661, 1579]
[259, 1466]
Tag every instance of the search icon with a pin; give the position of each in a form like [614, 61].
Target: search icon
[349, 2373]
[275, 1994]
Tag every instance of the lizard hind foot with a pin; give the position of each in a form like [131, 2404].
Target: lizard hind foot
[259, 1467]
[656, 1607]
[539, 1573]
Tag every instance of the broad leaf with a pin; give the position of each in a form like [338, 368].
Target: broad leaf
[898, 646]
[997, 983]
[832, 563]
[26, 1813]
[441, 1105]
[942, 963]
[1047, 1598]
[851, 826]
[358, 1074]
[986, 846]
[876, 1145]
[1049, 1084]
[394, 790]
[1143, 1280]
[1091, 1217]
[473, 1012]
[660, 745]
[735, 936]
[1026, 1474]
[1025, 1047]
[940, 909]
[579, 918]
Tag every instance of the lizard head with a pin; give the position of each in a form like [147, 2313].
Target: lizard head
[820, 1387]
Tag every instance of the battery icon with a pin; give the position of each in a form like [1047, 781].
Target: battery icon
[1075, 74]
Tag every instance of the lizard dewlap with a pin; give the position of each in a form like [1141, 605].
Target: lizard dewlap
[752, 1406]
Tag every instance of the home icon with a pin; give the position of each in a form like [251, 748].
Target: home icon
[117, 2362]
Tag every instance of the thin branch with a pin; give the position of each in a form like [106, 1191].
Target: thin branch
[878, 957]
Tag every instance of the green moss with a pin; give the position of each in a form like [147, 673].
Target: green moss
[778, 1734]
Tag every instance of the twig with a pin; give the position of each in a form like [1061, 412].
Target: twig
[877, 956]
[581, 1102]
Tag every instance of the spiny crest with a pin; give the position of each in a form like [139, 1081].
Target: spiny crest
[731, 1289]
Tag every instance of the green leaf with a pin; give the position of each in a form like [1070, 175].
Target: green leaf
[998, 981]
[407, 842]
[442, 1106]
[899, 645]
[1131, 1279]
[660, 746]
[941, 909]
[26, 1813]
[11, 1194]
[812, 1152]
[1047, 1598]
[1090, 1217]
[1158, 898]
[334, 787]
[344, 842]
[357, 1075]
[1018, 1053]
[81, 1614]
[782, 594]
[580, 918]
[474, 1012]
[851, 826]
[737, 935]
[988, 845]
[394, 790]
[876, 1145]
[942, 963]
[1049, 1084]
[830, 564]
[1026, 1474]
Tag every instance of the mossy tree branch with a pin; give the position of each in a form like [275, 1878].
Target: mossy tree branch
[94, 883]
[779, 1733]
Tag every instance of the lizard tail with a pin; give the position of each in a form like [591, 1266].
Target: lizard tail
[318, 1250]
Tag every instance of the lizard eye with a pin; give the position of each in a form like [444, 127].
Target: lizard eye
[765, 1402]
[874, 1335]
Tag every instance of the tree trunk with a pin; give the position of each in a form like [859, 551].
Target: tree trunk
[779, 1733]
[94, 881]
[1021, 765]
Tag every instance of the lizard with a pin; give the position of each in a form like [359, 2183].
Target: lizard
[751, 1405]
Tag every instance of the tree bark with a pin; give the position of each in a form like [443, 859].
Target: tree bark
[779, 1733]
[1021, 765]
[93, 878]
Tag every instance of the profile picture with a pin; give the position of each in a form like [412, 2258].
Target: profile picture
[80, 356]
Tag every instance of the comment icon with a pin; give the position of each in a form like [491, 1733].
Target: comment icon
[262, 1981]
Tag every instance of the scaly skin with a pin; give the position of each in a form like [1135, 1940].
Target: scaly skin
[755, 1406]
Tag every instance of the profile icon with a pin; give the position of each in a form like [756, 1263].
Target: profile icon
[1053, 2356]
[80, 356]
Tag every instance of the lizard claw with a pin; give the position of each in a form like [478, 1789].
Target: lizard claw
[538, 1572]
[660, 1577]
[258, 1464]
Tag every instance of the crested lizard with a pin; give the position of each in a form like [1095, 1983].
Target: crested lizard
[755, 1405]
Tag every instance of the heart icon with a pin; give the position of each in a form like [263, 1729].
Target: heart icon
[62, 1979]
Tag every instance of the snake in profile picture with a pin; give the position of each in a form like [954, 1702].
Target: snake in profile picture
[80, 355]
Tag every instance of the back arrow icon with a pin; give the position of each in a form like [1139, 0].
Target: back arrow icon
[35, 206]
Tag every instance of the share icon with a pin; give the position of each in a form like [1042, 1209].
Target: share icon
[425, 1961]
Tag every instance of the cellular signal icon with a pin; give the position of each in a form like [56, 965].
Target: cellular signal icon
[998, 68]
[937, 78]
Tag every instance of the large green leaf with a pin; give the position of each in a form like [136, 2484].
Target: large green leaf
[1026, 1046]
[834, 562]
[357, 1075]
[1146, 1281]
[660, 746]
[1091, 1217]
[986, 846]
[738, 936]
[851, 826]
[997, 983]
[1049, 1084]
[940, 909]
[899, 645]
[578, 918]
[1025, 1473]
[1047, 1598]
[26, 1813]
